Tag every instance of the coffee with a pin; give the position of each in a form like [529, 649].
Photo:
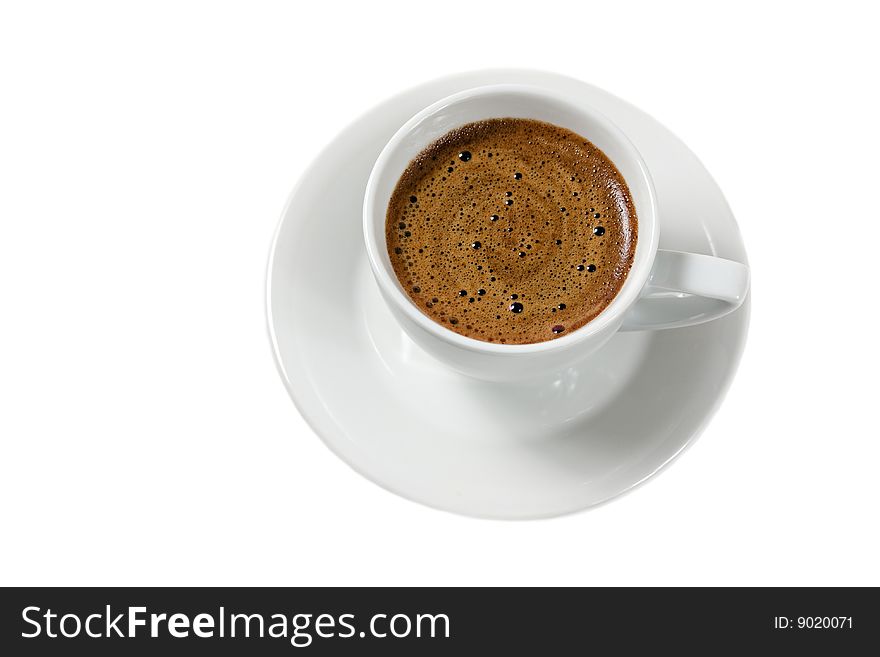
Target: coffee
[511, 231]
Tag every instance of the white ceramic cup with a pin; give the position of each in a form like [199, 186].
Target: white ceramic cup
[664, 289]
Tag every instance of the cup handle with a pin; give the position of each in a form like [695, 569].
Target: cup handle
[686, 289]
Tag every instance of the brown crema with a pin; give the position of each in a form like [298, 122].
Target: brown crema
[511, 231]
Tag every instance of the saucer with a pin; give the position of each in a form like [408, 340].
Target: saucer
[532, 450]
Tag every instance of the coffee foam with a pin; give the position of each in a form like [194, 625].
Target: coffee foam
[511, 231]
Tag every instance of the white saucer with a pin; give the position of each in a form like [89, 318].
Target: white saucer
[499, 451]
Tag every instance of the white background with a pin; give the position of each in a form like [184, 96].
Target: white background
[146, 151]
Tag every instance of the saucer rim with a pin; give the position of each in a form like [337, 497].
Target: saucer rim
[304, 395]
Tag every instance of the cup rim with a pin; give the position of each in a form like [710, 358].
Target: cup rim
[646, 245]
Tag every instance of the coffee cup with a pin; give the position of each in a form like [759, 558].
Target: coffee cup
[663, 290]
